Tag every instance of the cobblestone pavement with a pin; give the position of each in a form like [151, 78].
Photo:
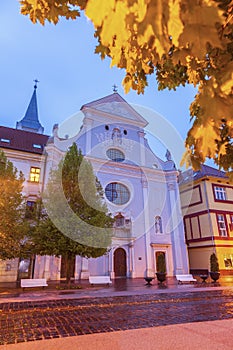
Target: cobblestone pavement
[37, 320]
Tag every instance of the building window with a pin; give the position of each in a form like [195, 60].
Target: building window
[115, 154]
[158, 225]
[117, 193]
[34, 174]
[228, 262]
[222, 225]
[231, 223]
[30, 209]
[220, 193]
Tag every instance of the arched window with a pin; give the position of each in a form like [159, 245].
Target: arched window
[158, 225]
[117, 193]
[119, 220]
[115, 154]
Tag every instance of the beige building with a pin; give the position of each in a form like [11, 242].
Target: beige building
[207, 208]
[24, 147]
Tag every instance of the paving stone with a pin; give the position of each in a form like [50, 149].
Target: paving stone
[30, 321]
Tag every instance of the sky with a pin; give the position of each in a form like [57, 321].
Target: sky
[62, 58]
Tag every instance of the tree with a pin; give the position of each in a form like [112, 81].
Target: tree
[214, 265]
[12, 209]
[182, 42]
[72, 224]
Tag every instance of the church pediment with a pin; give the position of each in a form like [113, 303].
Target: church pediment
[114, 105]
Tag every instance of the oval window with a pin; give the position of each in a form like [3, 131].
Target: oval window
[115, 154]
[117, 193]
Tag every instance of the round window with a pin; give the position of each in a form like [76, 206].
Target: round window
[115, 154]
[117, 193]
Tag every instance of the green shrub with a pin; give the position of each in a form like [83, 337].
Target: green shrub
[161, 264]
[214, 266]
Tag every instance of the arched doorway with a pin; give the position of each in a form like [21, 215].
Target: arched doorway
[120, 262]
[156, 257]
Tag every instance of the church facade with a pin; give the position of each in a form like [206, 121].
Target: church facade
[140, 189]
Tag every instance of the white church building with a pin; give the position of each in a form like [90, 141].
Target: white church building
[140, 189]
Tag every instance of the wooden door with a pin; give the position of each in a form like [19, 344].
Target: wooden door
[120, 262]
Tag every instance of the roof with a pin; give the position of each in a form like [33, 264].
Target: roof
[115, 105]
[30, 122]
[22, 140]
[115, 97]
[205, 171]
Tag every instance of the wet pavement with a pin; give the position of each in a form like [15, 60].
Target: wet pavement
[60, 318]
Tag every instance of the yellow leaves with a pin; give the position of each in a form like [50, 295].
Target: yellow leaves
[185, 41]
[227, 79]
[115, 27]
[213, 103]
[98, 10]
[42, 10]
[146, 36]
[139, 8]
[200, 27]
[186, 160]
[206, 136]
[175, 25]
[127, 83]
[227, 87]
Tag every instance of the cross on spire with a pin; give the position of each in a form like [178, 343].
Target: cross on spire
[36, 81]
[114, 88]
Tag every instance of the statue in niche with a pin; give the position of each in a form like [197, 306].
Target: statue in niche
[158, 225]
[116, 136]
[168, 155]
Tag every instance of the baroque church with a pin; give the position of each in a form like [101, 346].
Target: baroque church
[140, 189]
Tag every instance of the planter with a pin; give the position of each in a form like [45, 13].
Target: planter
[204, 278]
[161, 276]
[148, 280]
[214, 276]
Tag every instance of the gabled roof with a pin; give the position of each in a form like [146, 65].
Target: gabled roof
[30, 122]
[205, 171]
[115, 105]
[22, 140]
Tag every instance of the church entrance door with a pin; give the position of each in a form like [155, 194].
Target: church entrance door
[120, 262]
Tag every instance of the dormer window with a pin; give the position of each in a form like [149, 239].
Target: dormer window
[5, 140]
[35, 145]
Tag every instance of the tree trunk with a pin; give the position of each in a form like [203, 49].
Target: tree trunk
[68, 269]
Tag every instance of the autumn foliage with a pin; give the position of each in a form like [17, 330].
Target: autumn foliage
[181, 42]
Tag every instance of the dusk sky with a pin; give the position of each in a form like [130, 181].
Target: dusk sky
[62, 58]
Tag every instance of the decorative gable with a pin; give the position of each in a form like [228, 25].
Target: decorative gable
[117, 109]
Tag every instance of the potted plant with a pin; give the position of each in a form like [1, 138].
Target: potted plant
[161, 268]
[149, 276]
[214, 267]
